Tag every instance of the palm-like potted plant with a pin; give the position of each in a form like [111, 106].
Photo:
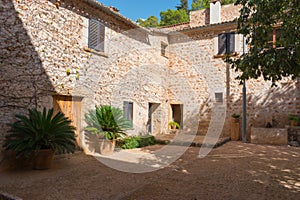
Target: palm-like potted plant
[109, 124]
[41, 135]
[174, 125]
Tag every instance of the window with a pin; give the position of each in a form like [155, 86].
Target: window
[163, 49]
[219, 97]
[128, 111]
[96, 35]
[226, 43]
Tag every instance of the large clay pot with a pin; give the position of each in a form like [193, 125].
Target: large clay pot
[107, 147]
[235, 129]
[43, 159]
[294, 123]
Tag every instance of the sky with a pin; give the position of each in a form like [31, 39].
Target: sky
[134, 9]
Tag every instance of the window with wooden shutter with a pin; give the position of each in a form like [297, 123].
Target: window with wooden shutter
[230, 39]
[222, 43]
[96, 35]
[226, 43]
[128, 111]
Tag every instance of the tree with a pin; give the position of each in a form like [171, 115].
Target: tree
[225, 2]
[258, 19]
[200, 4]
[203, 4]
[170, 17]
[183, 6]
[152, 21]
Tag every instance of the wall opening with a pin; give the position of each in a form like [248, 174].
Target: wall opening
[71, 107]
[177, 114]
[154, 118]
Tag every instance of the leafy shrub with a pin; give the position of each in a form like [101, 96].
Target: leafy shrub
[172, 123]
[236, 116]
[41, 130]
[129, 143]
[136, 142]
[147, 140]
[107, 121]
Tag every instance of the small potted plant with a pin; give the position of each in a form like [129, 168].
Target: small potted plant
[41, 135]
[174, 125]
[294, 120]
[109, 124]
[235, 126]
[235, 117]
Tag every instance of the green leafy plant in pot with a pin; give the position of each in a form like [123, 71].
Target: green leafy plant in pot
[294, 120]
[109, 124]
[41, 135]
[235, 117]
[174, 125]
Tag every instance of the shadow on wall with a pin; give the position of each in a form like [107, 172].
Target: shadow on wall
[272, 105]
[23, 83]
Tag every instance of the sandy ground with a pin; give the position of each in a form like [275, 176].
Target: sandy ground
[232, 171]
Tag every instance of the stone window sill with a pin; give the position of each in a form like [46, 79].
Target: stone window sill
[224, 55]
[96, 52]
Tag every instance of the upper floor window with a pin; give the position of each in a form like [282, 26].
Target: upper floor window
[226, 43]
[96, 35]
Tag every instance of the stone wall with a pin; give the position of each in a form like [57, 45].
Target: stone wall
[41, 41]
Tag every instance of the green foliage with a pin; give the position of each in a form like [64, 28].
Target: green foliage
[137, 142]
[262, 60]
[293, 118]
[183, 6]
[107, 121]
[225, 2]
[152, 21]
[236, 116]
[203, 4]
[170, 17]
[174, 123]
[40, 130]
[129, 142]
[200, 4]
[146, 140]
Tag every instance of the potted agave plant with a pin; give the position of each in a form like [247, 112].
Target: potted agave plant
[41, 135]
[109, 124]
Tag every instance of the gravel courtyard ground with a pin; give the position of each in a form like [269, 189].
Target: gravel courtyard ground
[232, 171]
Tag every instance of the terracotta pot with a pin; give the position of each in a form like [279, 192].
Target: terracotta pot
[107, 147]
[294, 123]
[43, 159]
[235, 129]
[235, 120]
[173, 126]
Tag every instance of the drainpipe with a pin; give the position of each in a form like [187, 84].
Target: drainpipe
[244, 124]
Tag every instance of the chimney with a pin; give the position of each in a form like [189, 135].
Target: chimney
[113, 9]
[215, 12]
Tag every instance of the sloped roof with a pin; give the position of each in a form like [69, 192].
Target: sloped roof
[114, 14]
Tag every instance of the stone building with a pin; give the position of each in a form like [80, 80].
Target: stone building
[75, 54]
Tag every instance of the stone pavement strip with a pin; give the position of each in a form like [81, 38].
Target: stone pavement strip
[232, 171]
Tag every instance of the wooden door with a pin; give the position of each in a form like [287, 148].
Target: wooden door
[71, 107]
